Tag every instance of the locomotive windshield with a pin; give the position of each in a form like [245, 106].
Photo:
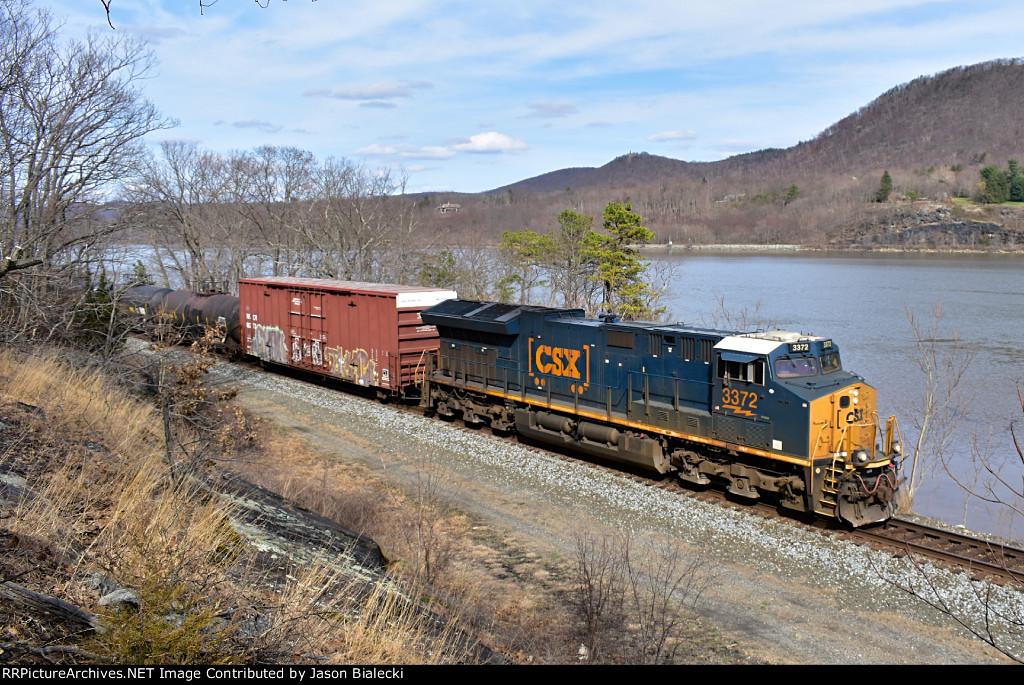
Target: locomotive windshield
[799, 367]
[830, 362]
[786, 367]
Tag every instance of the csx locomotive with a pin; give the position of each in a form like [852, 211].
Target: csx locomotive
[771, 412]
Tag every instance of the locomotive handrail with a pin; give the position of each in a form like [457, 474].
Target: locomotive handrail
[817, 441]
[419, 374]
[875, 426]
[892, 430]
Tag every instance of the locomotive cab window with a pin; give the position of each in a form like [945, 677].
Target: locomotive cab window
[830, 362]
[740, 367]
[796, 367]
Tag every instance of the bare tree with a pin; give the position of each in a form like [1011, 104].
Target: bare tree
[203, 4]
[943, 361]
[72, 120]
[184, 202]
[633, 595]
[599, 592]
[359, 227]
[744, 319]
[999, 482]
[421, 520]
[991, 613]
[278, 183]
[666, 585]
[71, 123]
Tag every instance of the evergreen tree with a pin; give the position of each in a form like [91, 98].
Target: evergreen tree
[526, 251]
[994, 187]
[572, 262]
[791, 194]
[1015, 179]
[620, 268]
[884, 187]
[442, 273]
[139, 274]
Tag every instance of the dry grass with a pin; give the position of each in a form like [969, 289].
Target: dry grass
[519, 612]
[100, 499]
[94, 496]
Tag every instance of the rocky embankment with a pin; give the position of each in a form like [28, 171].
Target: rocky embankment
[935, 226]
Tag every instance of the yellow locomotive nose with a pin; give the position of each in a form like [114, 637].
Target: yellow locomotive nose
[845, 426]
[853, 455]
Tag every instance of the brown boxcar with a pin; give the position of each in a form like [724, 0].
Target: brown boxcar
[369, 334]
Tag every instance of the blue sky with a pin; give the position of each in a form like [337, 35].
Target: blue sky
[469, 96]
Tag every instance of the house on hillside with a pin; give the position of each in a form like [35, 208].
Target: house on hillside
[448, 207]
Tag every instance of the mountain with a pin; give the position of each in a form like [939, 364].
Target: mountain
[963, 116]
[635, 167]
[932, 135]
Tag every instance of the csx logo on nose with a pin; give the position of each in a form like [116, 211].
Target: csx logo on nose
[558, 361]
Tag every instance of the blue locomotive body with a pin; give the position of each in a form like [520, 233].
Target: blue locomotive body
[764, 413]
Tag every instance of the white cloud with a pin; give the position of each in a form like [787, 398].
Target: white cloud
[491, 142]
[264, 126]
[407, 151]
[375, 91]
[551, 108]
[674, 136]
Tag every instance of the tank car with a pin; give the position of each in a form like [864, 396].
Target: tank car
[201, 311]
[769, 414]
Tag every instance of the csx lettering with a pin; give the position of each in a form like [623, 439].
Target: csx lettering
[558, 361]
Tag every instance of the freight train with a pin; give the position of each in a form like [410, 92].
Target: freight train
[770, 414]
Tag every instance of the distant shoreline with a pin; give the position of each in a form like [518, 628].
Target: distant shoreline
[671, 248]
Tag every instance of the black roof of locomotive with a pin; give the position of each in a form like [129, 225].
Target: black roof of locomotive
[490, 317]
[502, 318]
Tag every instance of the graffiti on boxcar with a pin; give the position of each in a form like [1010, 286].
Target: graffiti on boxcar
[352, 365]
[269, 343]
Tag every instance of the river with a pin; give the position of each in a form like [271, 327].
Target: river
[862, 301]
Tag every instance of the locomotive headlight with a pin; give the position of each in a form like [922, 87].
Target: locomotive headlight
[860, 456]
[896, 447]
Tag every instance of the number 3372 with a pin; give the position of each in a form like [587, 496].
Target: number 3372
[739, 399]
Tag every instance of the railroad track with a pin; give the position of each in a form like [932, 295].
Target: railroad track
[979, 557]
